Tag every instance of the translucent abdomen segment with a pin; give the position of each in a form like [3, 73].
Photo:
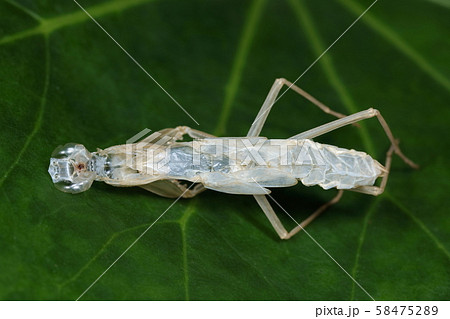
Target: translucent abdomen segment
[329, 166]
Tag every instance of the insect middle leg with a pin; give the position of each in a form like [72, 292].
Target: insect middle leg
[255, 130]
[260, 119]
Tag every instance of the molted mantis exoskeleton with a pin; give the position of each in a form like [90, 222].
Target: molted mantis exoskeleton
[249, 165]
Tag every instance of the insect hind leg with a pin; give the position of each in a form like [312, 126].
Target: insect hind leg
[354, 118]
[278, 226]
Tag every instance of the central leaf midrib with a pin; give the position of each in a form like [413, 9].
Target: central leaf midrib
[240, 58]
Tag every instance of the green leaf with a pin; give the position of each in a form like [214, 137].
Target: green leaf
[62, 79]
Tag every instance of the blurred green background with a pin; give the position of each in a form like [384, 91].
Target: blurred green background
[63, 80]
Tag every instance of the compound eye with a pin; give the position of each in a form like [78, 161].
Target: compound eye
[65, 151]
[76, 152]
[76, 185]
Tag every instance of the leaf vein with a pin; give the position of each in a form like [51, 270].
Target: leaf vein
[419, 223]
[232, 86]
[305, 19]
[24, 9]
[241, 257]
[361, 239]
[99, 252]
[40, 115]
[49, 25]
[183, 223]
[401, 45]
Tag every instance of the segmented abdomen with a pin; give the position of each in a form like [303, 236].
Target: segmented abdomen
[330, 166]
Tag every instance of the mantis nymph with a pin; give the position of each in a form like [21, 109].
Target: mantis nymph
[163, 164]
